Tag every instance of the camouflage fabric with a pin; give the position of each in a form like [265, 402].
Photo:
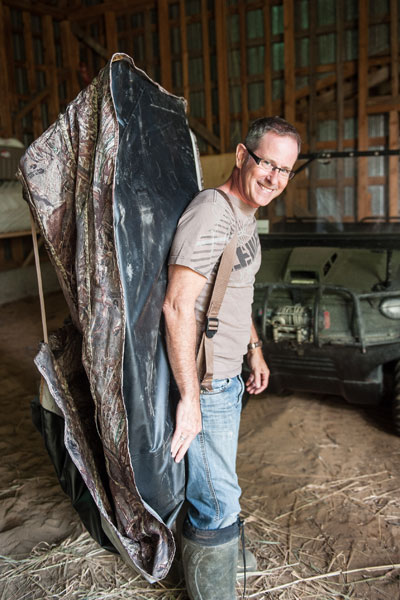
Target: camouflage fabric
[68, 179]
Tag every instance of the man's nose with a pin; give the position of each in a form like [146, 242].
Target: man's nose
[273, 176]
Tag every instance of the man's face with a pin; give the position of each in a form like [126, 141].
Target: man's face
[255, 186]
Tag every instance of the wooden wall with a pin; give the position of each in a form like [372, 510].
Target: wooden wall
[329, 66]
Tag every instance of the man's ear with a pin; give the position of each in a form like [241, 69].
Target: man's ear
[240, 155]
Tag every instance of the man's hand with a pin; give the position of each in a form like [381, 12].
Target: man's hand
[188, 425]
[259, 376]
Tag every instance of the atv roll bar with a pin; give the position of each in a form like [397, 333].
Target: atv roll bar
[327, 155]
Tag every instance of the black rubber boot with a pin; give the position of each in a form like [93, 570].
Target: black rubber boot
[210, 561]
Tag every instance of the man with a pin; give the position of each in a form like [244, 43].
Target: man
[207, 422]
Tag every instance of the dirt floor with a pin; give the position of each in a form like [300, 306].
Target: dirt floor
[321, 496]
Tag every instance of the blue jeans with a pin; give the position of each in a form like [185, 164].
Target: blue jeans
[212, 487]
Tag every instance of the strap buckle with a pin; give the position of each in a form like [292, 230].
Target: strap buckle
[211, 326]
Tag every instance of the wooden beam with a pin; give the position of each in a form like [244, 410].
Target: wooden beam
[89, 41]
[393, 208]
[267, 59]
[222, 74]
[120, 8]
[165, 44]
[204, 133]
[5, 59]
[184, 52]
[70, 53]
[111, 32]
[34, 102]
[36, 8]
[51, 67]
[289, 57]
[243, 69]
[206, 65]
[363, 203]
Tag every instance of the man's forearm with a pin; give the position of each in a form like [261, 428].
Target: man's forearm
[181, 346]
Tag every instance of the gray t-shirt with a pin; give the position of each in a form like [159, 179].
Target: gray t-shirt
[202, 234]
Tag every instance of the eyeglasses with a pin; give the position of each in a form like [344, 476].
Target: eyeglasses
[268, 166]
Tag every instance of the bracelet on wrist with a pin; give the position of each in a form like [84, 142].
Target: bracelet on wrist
[254, 345]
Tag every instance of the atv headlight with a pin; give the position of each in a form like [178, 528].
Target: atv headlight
[390, 307]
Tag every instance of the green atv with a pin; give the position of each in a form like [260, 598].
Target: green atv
[327, 298]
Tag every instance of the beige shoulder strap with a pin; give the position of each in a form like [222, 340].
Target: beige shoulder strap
[205, 355]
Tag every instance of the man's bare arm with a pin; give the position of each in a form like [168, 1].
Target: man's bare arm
[184, 286]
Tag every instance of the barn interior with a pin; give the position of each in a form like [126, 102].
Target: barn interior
[319, 475]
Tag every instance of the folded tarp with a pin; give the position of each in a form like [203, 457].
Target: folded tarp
[106, 185]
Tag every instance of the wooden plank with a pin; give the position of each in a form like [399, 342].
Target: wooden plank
[111, 32]
[289, 59]
[51, 67]
[222, 74]
[243, 69]
[165, 44]
[267, 59]
[393, 208]
[31, 73]
[206, 65]
[5, 59]
[184, 52]
[70, 53]
[363, 203]
[148, 44]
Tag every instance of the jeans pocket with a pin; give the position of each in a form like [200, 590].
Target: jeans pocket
[219, 386]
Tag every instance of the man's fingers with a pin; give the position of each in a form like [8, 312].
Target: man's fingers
[180, 444]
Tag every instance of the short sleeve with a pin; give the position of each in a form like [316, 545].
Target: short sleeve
[203, 232]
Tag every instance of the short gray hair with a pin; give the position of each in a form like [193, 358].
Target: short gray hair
[264, 125]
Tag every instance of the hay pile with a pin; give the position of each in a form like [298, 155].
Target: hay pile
[292, 564]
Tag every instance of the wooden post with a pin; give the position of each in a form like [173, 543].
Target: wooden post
[148, 43]
[5, 104]
[312, 108]
[267, 60]
[393, 209]
[222, 74]
[111, 32]
[363, 204]
[243, 69]
[206, 66]
[340, 102]
[165, 45]
[31, 72]
[184, 52]
[51, 67]
[289, 54]
[70, 53]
